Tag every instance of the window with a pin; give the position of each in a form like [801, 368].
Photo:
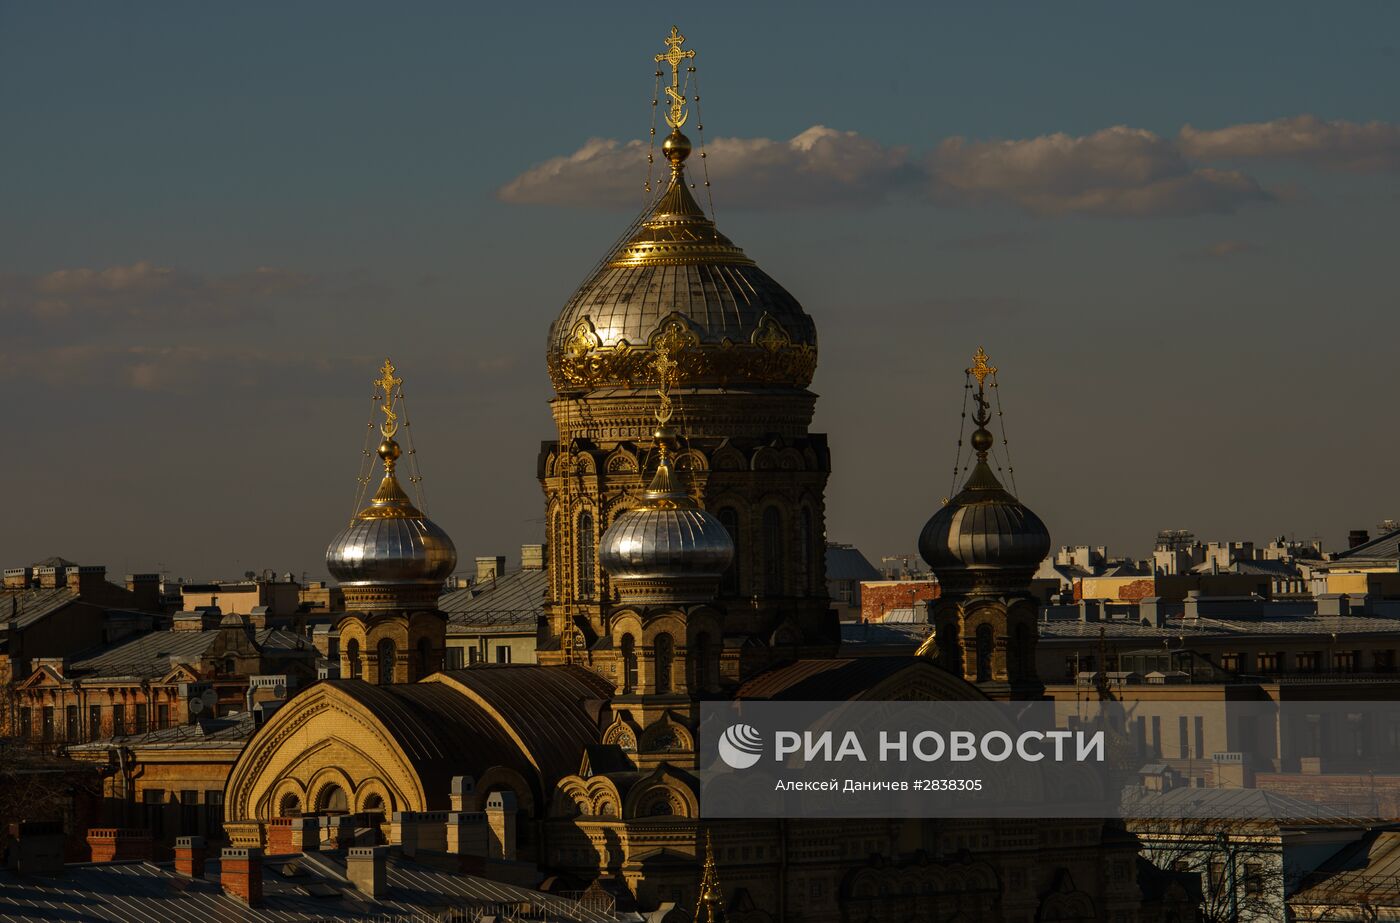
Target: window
[556, 541]
[729, 583]
[48, 722]
[1230, 662]
[1200, 727]
[73, 729]
[189, 813]
[142, 717]
[162, 716]
[454, 658]
[663, 649]
[629, 664]
[1345, 661]
[153, 800]
[503, 653]
[214, 814]
[352, 655]
[118, 720]
[984, 653]
[94, 722]
[772, 552]
[807, 563]
[1309, 662]
[425, 657]
[475, 655]
[26, 723]
[1269, 663]
[386, 662]
[586, 557]
[1385, 661]
[1254, 878]
[1182, 740]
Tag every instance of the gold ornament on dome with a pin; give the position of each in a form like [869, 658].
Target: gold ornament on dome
[980, 369]
[676, 116]
[583, 339]
[770, 359]
[387, 383]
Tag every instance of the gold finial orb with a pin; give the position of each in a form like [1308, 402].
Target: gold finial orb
[676, 148]
[389, 450]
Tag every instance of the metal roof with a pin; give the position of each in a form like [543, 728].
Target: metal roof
[845, 562]
[1384, 547]
[29, 606]
[311, 887]
[519, 595]
[151, 654]
[229, 732]
[1321, 626]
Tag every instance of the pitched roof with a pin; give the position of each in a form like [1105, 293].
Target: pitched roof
[29, 606]
[310, 888]
[845, 562]
[1365, 871]
[837, 679]
[229, 732]
[1385, 547]
[152, 653]
[519, 593]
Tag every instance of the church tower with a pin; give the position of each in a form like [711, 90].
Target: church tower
[984, 546]
[745, 351]
[391, 562]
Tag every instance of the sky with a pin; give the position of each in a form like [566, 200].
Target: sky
[1173, 227]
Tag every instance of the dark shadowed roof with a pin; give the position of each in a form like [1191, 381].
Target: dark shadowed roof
[554, 709]
[29, 606]
[838, 679]
[843, 562]
[153, 653]
[308, 889]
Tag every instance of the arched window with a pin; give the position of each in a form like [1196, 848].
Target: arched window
[984, 653]
[772, 552]
[375, 805]
[807, 564]
[352, 654]
[425, 657]
[700, 663]
[289, 806]
[949, 650]
[663, 650]
[386, 662]
[586, 557]
[332, 798]
[629, 664]
[556, 569]
[729, 583]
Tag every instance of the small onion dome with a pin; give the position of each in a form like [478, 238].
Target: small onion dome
[391, 556]
[666, 549]
[984, 539]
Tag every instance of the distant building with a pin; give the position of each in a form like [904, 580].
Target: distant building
[846, 569]
[495, 619]
[273, 596]
[892, 599]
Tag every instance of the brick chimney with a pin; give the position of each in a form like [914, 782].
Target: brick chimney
[532, 557]
[144, 590]
[490, 567]
[306, 834]
[37, 847]
[190, 852]
[279, 836]
[119, 844]
[366, 867]
[240, 874]
[1357, 537]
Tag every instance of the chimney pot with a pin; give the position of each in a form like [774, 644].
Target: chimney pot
[366, 867]
[240, 874]
[190, 853]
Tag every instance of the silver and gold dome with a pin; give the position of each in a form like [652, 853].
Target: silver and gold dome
[391, 556]
[676, 276]
[984, 540]
[666, 549]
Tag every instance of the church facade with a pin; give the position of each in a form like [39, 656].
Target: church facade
[686, 524]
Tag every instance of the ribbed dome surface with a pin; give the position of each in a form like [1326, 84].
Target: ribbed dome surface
[676, 262]
[658, 544]
[984, 537]
[391, 551]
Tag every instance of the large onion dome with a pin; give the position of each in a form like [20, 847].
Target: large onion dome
[666, 549]
[391, 556]
[675, 275]
[984, 540]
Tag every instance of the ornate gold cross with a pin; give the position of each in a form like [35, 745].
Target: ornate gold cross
[980, 369]
[388, 383]
[674, 56]
[665, 368]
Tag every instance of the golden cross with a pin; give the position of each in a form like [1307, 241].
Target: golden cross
[673, 56]
[980, 369]
[388, 383]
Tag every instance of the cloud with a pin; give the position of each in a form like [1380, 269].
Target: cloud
[1118, 171]
[1222, 249]
[142, 296]
[165, 369]
[1351, 147]
[821, 166]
